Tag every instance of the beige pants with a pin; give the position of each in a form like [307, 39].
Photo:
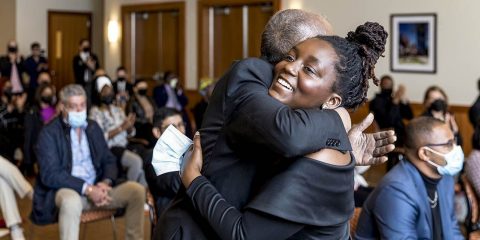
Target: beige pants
[11, 179]
[129, 195]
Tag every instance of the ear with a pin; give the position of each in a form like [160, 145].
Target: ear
[156, 132]
[333, 102]
[423, 154]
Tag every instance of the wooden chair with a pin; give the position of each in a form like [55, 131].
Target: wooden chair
[354, 221]
[90, 216]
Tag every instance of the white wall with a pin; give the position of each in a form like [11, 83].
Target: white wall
[113, 51]
[458, 40]
[32, 21]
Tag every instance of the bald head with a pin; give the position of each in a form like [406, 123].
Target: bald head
[289, 27]
[420, 131]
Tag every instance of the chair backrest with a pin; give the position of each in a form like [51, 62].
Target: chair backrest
[354, 221]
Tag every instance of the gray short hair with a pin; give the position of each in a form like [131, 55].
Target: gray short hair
[71, 90]
[289, 27]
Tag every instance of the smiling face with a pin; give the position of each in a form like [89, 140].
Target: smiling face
[305, 77]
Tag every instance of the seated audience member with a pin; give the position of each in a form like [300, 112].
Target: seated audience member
[116, 128]
[123, 88]
[474, 111]
[472, 163]
[78, 172]
[415, 199]
[11, 121]
[170, 94]
[360, 187]
[44, 78]
[144, 108]
[390, 109]
[205, 89]
[34, 65]
[11, 179]
[163, 187]
[435, 103]
[42, 112]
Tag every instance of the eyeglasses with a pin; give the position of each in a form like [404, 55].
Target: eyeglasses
[450, 143]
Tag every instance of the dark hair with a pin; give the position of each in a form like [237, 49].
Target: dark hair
[34, 45]
[418, 131]
[357, 55]
[476, 137]
[40, 89]
[434, 88]
[163, 113]
[121, 68]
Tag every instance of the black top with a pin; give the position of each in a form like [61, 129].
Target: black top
[431, 186]
[243, 132]
[306, 199]
[390, 115]
[79, 68]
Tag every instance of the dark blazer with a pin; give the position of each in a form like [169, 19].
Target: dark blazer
[242, 114]
[128, 87]
[163, 187]
[33, 124]
[161, 97]
[79, 68]
[31, 67]
[398, 208]
[6, 68]
[54, 154]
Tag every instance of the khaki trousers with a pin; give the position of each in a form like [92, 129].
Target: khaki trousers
[11, 179]
[129, 195]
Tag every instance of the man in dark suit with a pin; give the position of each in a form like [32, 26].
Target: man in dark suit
[85, 63]
[266, 128]
[415, 199]
[78, 172]
[12, 67]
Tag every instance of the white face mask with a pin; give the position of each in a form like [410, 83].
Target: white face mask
[173, 82]
[454, 161]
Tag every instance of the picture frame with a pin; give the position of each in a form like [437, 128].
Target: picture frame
[413, 43]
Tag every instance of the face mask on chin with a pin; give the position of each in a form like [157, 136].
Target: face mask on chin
[454, 160]
[77, 119]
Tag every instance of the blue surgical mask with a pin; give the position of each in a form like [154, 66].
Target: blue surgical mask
[454, 160]
[77, 119]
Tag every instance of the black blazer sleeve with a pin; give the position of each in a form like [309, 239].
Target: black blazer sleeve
[260, 119]
[229, 223]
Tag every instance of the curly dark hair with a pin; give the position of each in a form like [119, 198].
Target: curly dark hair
[357, 55]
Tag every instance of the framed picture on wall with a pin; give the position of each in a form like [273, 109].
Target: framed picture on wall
[413, 43]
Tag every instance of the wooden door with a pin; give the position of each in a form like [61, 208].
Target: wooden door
[153, 39]
[230, 31]
[65, 30]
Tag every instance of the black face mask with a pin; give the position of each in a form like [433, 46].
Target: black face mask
[387, 92]
[12, 49]
[107, 99]
[49, 99]
[142, 92]
[86, 49]
[438, 105]
[121, 79]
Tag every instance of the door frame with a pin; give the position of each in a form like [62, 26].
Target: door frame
[50, 47]
[203, 38]
[178, 6]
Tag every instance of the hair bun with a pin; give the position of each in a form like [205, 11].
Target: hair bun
[370, 35]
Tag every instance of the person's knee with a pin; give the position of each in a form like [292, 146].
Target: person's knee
[69, 202]
[133, 159]
[136, 191]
